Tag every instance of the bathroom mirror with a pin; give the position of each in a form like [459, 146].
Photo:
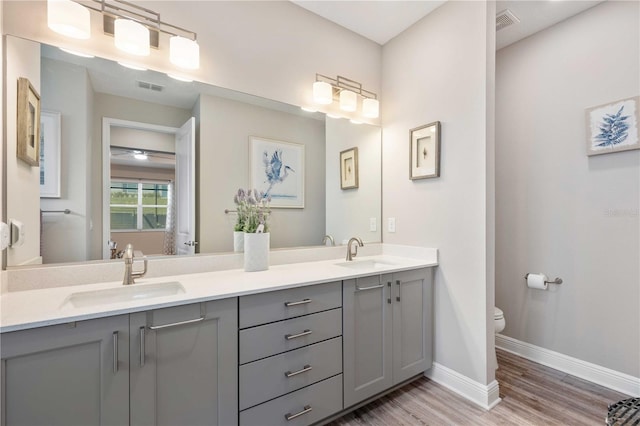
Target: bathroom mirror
[145, 109]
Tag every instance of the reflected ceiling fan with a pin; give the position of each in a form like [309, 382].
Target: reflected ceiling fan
[139, 156]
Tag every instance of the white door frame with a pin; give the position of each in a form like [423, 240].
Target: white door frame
[107, 124]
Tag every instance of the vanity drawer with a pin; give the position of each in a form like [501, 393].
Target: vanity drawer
[262, 308]
[267, 378]
[312, 403]
[270, 339]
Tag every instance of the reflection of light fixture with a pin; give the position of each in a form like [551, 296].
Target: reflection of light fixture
[74, 52]
[134, 28]
[327, 89]
[309, 109]
[184, 53]
[139, 155]
[69, 18]
[180, 78]
[131, 66]
[131, 37]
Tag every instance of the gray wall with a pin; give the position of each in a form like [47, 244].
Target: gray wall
[559, 211]
[436, 71]
[223, 158]
[124, 109]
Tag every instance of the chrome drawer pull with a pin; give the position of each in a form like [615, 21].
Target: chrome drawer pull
[115, 352]
[399, 290]
[289, 416]
[142, 349]
[300, 302]
[295, 336]
[373, 287]
[295, 373]
[175, 324]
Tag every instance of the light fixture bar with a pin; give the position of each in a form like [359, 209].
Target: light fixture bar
[343, 83]
[112, 9]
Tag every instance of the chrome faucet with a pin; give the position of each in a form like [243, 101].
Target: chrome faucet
[350, 254]
[129, 275]
[330, 238]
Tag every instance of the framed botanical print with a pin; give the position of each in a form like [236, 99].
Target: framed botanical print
[349, 168]
[424, 155]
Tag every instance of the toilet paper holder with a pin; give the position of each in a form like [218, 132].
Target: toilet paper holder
[558, 280]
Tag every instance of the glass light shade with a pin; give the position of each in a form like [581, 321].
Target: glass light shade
[184, 53]
[348, 100]
[131, 37]
[370, 108]
[69, 18]
[322, 93]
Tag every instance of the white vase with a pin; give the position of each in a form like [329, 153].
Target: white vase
[238, 241]
[256, 252]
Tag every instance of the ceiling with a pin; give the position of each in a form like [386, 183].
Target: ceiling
[381, 21]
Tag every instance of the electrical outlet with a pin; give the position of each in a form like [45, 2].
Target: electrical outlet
[373, 226]
[4, 236]
[391, 225]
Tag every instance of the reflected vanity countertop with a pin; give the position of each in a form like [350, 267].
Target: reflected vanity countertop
[21, 310]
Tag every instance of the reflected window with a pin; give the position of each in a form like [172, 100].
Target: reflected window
[138, 206]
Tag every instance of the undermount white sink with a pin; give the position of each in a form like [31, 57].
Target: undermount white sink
[124, 294]
[366, 264]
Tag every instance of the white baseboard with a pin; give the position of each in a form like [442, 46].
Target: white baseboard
[486, 396]
[603, 376]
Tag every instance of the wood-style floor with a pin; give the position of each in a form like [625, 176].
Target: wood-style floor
[532, 394]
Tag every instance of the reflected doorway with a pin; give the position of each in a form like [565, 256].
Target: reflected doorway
[149, 188]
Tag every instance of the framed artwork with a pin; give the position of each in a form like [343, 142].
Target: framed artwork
[277, 169]
[424, 151]
[28, 123]
[349, 168]
[613, 127]
[50, 154]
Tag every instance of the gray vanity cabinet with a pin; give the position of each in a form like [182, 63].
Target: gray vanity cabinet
[69, 374]
[387, 331]
[184, 365]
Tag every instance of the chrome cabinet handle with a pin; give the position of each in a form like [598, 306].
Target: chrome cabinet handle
[289, 416]
[399, 287]
[373, 287]
[295, 336]
[389, 295]
[295, 373]
[115, 352]
[191, 243]
[300, 302]
[175, 324]
[142, 348]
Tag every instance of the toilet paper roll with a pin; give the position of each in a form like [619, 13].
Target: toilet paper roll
[537, 281]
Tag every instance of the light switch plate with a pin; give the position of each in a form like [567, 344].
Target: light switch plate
[17, 233]
[4, 236]
[373, 226]
[391, 226]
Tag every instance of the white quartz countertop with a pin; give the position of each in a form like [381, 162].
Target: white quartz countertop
[20, 310]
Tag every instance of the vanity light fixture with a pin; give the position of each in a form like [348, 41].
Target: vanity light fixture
[139, 155]
[132, 37]
[69, 18]
[135, 29]
[346, 91]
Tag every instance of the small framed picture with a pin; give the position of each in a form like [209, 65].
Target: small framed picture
[50, 154]
[424, 155]
[613, 127]
[28, 123]
[349, 168]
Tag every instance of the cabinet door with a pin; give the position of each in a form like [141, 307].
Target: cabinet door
[185, 372]
[412, 323]
[367, 338]
[69, 374]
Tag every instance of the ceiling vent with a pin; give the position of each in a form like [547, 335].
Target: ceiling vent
[505, 18]
[150, 86]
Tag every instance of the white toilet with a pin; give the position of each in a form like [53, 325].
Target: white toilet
[498, 325]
